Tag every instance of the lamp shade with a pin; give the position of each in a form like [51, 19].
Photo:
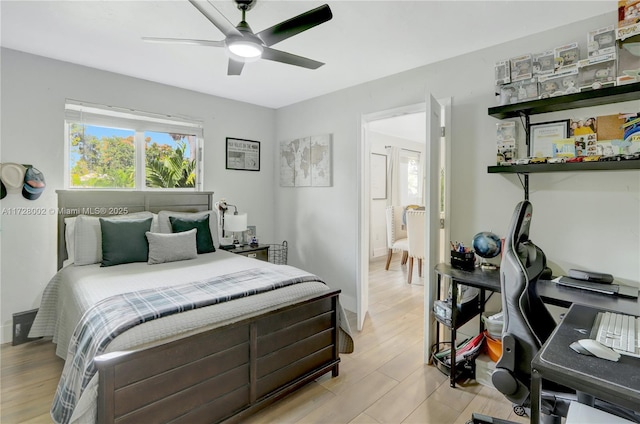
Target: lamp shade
[235, 222]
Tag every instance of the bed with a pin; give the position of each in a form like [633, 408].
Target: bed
[218, 360]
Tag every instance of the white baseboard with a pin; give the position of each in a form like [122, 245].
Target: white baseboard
[381, 251]
[6, 334]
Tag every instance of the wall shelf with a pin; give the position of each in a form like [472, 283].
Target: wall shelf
[599, 97]
[565, 167]
[592, 98]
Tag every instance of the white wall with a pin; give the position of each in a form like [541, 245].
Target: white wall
[33, 97]
[588, 220]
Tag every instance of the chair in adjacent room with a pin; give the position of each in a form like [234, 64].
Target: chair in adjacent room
[396, 234]
[415, 236]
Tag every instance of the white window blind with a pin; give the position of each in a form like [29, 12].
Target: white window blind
[110, 116]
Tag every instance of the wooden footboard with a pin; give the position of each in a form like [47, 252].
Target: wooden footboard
[225, 373]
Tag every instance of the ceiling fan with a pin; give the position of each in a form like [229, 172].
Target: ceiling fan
[244, 46]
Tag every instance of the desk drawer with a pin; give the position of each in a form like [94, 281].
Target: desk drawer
[262, 254]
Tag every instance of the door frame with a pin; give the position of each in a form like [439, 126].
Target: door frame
[364, 204]
[364, 147]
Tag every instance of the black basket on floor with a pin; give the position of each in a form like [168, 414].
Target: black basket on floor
[278, 253]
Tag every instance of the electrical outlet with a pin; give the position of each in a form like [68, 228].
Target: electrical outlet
[17, 331]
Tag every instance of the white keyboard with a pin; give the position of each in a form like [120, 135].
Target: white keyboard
[618, 331]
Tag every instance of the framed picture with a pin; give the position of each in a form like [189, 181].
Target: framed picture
[306, 162]
[243, 154]
[544, 134]
[378, 176]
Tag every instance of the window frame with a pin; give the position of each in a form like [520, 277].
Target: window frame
[139, 122]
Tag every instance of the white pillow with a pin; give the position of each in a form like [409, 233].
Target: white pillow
[165, 225]
[88, 237]
[172, 247]
[69, 239]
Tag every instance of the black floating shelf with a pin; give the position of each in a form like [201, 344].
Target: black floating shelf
[591, 98]
[565, 167]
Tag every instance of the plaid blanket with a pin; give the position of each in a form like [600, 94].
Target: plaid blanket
[114, 315]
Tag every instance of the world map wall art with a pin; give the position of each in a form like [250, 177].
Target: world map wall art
[306, 162]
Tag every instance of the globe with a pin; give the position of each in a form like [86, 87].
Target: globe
[486, 244]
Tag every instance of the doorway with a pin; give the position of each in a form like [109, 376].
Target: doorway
[397, 146]
[407, 127]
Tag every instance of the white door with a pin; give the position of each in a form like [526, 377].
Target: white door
[362, 289]
[432, 226]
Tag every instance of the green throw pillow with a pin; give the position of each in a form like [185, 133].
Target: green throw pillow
[204, 241]
[124, 241]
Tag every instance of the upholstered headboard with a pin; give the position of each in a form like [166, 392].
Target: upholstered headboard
[110, 202]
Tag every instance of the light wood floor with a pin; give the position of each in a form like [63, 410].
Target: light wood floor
[383, 381]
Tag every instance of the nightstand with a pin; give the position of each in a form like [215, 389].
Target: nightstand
[260, 251]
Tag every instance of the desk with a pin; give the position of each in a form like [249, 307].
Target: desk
[555, 294]
[550, 292]
[478, 278]
[615, 382]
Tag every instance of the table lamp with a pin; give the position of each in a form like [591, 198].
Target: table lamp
[236, 223]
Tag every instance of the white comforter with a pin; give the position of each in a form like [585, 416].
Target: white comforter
[74, 289]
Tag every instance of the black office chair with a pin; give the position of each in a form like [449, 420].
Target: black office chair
[528, 324]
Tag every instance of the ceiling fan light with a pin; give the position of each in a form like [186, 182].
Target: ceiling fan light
[245, 49]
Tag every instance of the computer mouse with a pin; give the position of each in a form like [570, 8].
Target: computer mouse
[581, 350]
[597, 349]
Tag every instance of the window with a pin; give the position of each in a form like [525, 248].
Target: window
[122, 149]
[170, 159]
[410, 178]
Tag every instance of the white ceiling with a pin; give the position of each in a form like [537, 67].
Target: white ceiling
[364, 41]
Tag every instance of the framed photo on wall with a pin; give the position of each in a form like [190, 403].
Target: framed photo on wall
[242, 154]
[544, 134]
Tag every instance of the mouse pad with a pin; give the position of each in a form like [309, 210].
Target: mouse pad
[577, 325]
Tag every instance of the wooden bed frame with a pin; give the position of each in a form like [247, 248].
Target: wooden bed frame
[220, 375]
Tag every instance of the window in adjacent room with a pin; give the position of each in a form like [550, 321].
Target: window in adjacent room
[410, 178]
[117, 148]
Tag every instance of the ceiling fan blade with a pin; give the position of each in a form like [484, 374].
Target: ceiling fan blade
[296, 25]
[235, 67]
[209, 43]
[290, 59]
[215, 17]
